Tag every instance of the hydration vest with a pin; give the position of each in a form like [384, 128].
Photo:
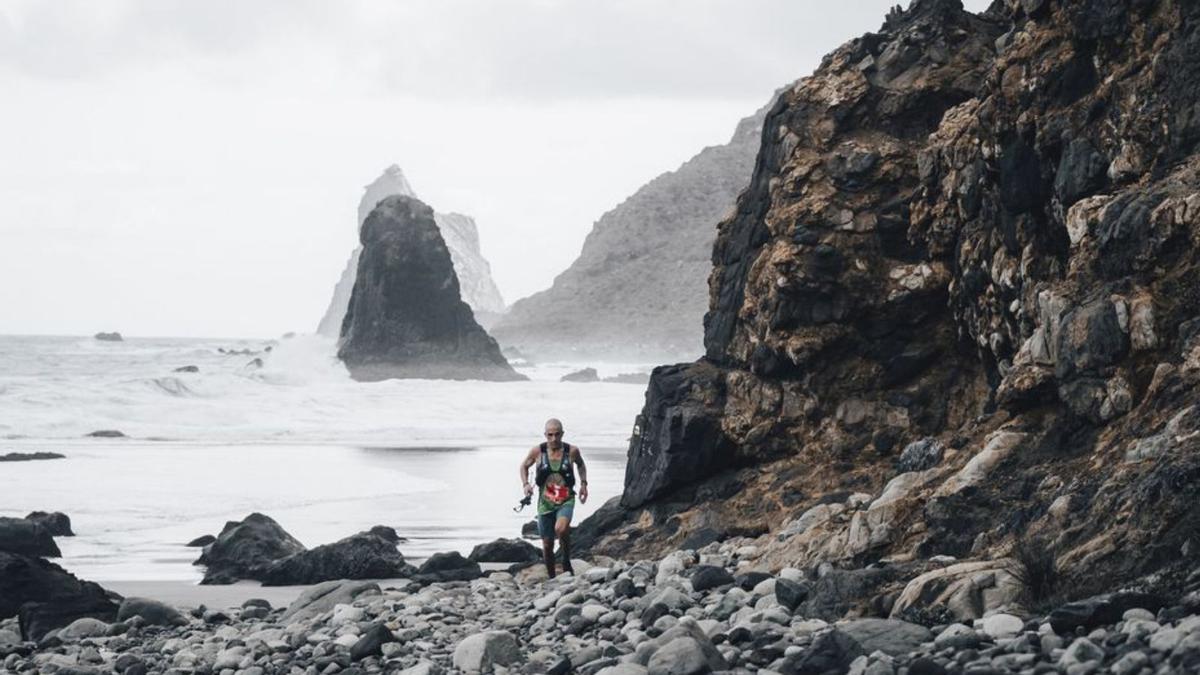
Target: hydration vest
[566, 469]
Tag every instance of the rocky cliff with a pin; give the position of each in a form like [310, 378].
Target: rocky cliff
[406, 317]
[637, 289]
[461, 236]
[954, 314]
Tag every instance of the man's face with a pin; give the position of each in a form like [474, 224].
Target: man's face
[554, 436]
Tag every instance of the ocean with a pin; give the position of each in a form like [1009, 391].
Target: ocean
[294, 438]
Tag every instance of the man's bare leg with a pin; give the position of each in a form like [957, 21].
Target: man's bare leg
[562, 528]
[548, 556]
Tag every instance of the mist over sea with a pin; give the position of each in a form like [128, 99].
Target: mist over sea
[294, 438]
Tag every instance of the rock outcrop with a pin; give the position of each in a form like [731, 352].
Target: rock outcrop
[27, 537]
[245, 549]
[637, 289]
[259, 548]
[462, 238]
[58, 524]
[365, 555]
[978, 235]
[45, 596]
[406, 317]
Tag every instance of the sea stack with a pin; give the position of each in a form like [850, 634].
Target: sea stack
[461, 235]
[406, 317]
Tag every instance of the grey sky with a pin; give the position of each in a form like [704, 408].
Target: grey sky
[193, 168]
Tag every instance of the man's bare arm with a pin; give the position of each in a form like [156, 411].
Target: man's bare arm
[581, 468]
[530, 460]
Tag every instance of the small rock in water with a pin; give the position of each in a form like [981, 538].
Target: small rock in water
[106, 433]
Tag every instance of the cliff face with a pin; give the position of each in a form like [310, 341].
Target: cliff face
[637, 289]
[956, 308]
[461, 237]
[406, 318]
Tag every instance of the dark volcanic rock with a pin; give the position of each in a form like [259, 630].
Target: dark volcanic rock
[371, 642]
[831, 652]
[677, 438]
[29, 456]
[365, 555]
[202, 540]
[921, 455]
[790, 593]
[976, 230]
[244, 550]
[505, 551]
[1100, 610]
[106, 433]
[48, 597]
[462, 239]
[109, 337]
[58, 524]
[585, 375]
[706, 577]
[449, 566]
[406, 318]
[27, 537]
[187, 369]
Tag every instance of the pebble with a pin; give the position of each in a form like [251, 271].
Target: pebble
[655, 624]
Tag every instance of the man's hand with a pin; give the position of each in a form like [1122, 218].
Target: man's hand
[583, 493]
[528, 489]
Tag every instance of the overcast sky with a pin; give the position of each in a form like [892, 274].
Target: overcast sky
[193, 168]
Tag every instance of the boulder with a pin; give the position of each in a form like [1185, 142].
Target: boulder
[109, 337]
[58, 524]
[46, 596]
[790, 593]
[324, 597]
[27, 537]
[187, 369]
[406, 317]
[85, 627]
[245, 549]
[890, 636]
[1099, 610]
[371, 642]
[584, 375]
[967, 589]
[201, 541]
[505, 551]
[831, 652]
[153, 612]
[482, 652]
[681, 656]
[365, 555]
[836, 593]
[450, 566]
[705, 577]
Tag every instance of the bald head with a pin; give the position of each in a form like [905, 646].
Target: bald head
[554, 432]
